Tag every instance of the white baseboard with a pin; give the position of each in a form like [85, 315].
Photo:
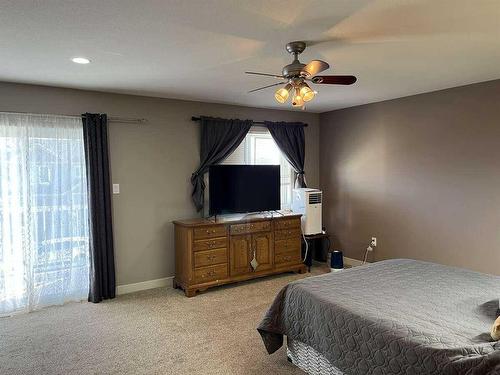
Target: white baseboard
[167, 281]
[352, 262]
[150, 284]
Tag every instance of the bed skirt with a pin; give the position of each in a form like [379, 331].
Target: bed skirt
[309, 360]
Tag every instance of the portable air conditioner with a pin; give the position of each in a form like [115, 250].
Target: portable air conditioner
[307, 202]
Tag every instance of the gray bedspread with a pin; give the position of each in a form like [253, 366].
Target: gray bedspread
[392, 317]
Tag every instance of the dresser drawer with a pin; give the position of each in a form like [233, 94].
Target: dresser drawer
[209, 232]
[287, 223]
[209, 244]
[292, 257]
[206, 274]
[210, 257]
[285, 246]
[287, 233]
[259, 226]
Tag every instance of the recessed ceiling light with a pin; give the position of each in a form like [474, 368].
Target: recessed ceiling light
[80, 60]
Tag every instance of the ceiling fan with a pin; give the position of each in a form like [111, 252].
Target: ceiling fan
[296, 75]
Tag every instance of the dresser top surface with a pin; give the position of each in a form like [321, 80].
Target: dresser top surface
[197, 222]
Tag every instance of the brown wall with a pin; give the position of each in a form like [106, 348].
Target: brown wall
[421, 173]
[152, 163]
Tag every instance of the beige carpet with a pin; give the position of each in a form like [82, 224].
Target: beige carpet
[158, 331]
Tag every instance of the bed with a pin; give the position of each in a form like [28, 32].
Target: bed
[397, 316]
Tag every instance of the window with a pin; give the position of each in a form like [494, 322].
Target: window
[259, 147]
[44, 233]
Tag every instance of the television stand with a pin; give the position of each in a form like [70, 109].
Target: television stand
[209, 254]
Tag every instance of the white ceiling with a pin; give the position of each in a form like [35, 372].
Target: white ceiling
[199, 49]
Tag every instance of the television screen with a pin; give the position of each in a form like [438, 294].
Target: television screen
[244, 188]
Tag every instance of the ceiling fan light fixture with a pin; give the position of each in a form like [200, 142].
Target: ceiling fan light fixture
[297, 101]
[306, 93]
[281, 95]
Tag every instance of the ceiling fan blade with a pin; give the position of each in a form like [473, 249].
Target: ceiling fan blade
[265, 87]
[315, 67]
[334, 80]
[265, 74]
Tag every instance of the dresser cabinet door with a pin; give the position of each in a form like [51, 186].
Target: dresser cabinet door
[240, 255]
[263, 246]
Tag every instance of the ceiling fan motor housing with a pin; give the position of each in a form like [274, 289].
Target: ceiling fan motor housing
[293, 70]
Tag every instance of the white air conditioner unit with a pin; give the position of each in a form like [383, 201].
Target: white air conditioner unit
[307, 202]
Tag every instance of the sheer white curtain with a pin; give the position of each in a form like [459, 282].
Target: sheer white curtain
[44, 232]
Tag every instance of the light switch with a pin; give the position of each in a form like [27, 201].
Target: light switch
[116, 188]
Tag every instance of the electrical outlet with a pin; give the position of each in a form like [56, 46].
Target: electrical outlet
[374, 241]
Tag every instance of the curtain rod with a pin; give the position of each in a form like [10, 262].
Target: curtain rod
[130, 120]
[255, 122]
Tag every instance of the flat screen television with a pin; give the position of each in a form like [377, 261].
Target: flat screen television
[243, 188]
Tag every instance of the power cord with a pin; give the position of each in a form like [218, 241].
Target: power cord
[307, 245]
[369, 249]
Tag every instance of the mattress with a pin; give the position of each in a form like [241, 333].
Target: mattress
[392, 317]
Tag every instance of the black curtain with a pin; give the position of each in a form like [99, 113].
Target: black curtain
[290, 138]
[219, 138]
[102, 262]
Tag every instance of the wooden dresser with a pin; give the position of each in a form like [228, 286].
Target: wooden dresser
[209, 253]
